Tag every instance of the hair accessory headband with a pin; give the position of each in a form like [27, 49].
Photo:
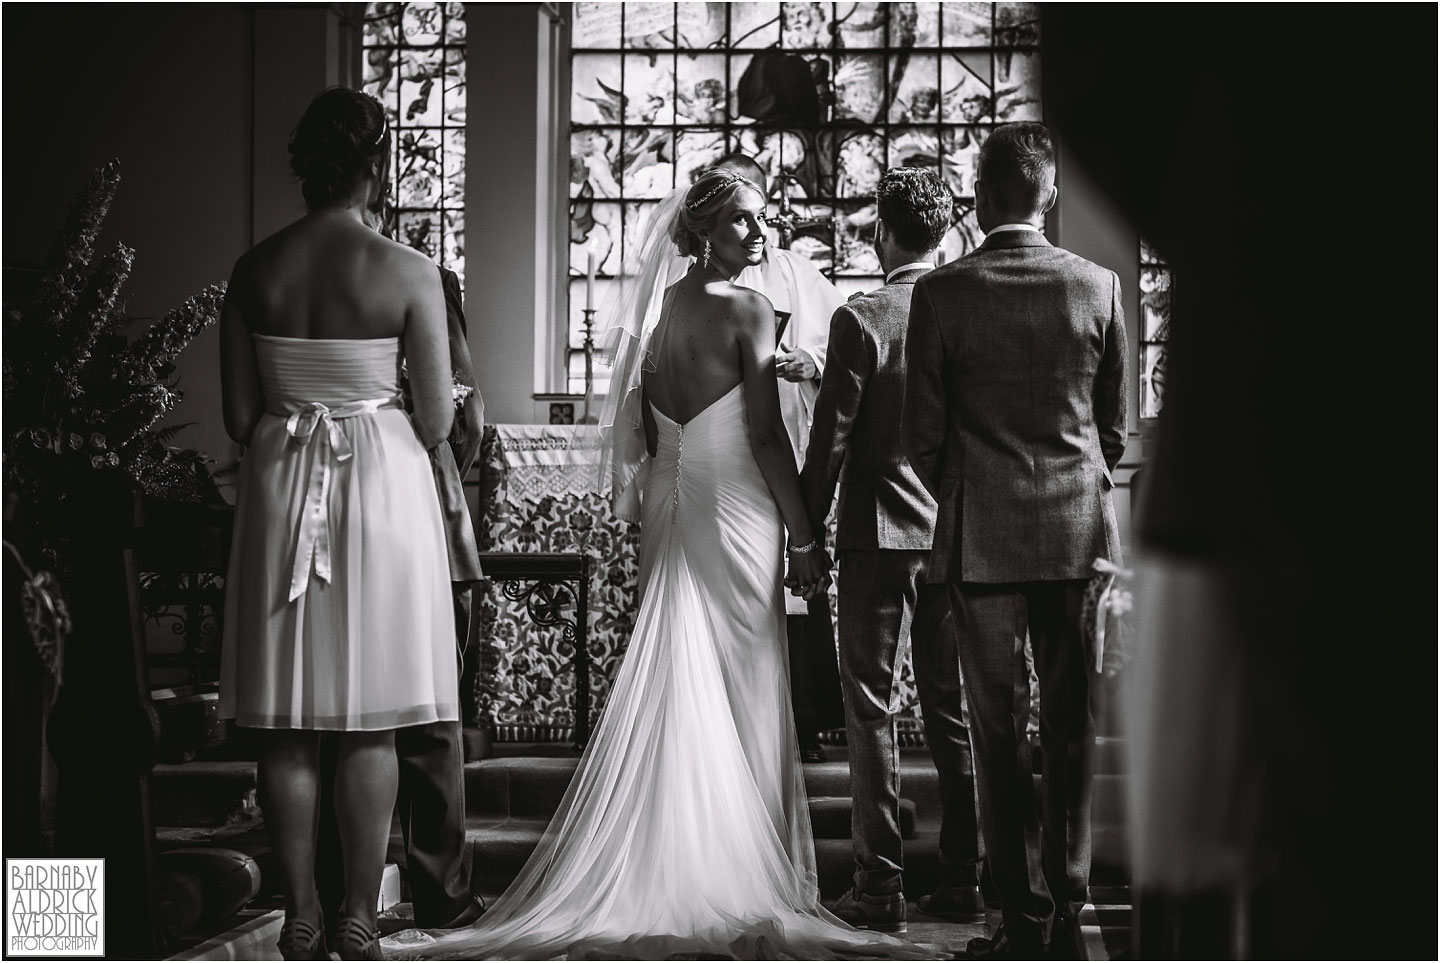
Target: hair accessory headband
[732, 179]
[384, 119]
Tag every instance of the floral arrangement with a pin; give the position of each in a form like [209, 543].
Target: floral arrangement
[460, 392]
[79, 396]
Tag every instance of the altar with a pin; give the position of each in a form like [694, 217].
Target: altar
[537, 496]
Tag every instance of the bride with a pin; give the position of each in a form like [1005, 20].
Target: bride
[686, 828]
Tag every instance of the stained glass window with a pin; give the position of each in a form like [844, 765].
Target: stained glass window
[825, 96]
[415, 65]
[1156, 285]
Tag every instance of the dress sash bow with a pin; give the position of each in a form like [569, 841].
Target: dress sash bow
[312, 539]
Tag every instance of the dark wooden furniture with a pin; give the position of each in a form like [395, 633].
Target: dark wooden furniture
[102, 731]
[182, 555]
[547, 583]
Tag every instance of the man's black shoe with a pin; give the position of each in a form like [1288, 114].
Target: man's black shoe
[885, 914]
[1065, 939]
[958, 904]
[468, 915]
[1004, 946]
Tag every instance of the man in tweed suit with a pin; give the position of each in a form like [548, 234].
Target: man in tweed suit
[883, 532]
[1014, 419]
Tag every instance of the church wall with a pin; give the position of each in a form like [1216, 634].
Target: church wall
[166, 89]
[197, 101]
[503, 154]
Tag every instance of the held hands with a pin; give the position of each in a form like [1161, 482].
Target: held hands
[809, 574]
[794, 365]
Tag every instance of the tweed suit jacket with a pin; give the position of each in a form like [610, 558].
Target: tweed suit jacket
[854, 438]
[1015, 410]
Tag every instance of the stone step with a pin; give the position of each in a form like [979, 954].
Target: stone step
[518, 786]
[918, 779]
[216, 794]
[830, 817]
[499, 847]
[525, 787]
[533, 787]
[204, 794]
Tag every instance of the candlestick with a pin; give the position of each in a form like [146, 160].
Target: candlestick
[589, 362]
[590, 281]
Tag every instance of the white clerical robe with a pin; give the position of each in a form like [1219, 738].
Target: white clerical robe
[794, 285]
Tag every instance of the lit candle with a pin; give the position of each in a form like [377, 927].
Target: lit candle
[590, 281]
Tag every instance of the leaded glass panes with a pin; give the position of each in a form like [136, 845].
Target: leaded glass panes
[824, 96]
[596, 25]
[415, 66]
[1156, 286]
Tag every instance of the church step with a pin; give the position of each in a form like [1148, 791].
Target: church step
[830, 817]
[499, 848]
[533, 787]
[209, 794]
[223, 793]
[521, 786]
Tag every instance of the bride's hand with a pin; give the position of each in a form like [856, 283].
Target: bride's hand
[809, 573]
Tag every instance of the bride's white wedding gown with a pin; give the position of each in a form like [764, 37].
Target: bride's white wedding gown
[686, 828]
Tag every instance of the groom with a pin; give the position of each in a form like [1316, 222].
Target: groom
[1014, 419]
[884, 528]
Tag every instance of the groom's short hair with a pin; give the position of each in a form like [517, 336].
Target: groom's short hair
[1017, 164]
[744, 165]
[915, 205]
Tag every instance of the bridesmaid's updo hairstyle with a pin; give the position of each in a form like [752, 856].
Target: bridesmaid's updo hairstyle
[703, 202]
[338, 136]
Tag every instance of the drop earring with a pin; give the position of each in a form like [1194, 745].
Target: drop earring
[705, 258]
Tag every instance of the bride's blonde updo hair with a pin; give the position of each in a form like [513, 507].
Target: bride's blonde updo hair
[702, 202]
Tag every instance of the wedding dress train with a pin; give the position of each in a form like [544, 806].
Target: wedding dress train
[686, 829]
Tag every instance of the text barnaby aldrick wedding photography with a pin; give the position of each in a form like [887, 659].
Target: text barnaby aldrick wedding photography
[55, 907]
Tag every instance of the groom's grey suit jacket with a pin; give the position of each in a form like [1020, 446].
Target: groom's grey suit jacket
[854, 436]
[1014, 412]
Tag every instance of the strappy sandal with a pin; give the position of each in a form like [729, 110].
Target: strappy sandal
[355, 941]
[302, 940]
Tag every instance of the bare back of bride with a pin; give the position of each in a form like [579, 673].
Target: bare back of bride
[686, 828]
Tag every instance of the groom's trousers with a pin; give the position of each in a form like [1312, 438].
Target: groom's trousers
[1035, 871]
[885, 608]
[814, 675]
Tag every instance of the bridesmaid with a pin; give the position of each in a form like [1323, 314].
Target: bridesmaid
[338, 612]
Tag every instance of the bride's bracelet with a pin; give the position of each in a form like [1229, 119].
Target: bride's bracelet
[804, 549]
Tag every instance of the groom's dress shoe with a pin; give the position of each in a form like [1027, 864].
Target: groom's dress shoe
[1066, 942]
[812, 754]
[1004, 946]
[468, 915]
[473, 910]
[883, 913]
[958, 904]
